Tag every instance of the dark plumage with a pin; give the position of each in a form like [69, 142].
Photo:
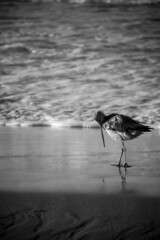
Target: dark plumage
[120, 127]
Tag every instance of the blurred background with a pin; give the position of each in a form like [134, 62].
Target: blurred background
[60, 61]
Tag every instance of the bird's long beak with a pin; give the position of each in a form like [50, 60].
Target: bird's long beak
[102, 136]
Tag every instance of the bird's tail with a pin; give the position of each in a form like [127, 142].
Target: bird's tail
[143, 128]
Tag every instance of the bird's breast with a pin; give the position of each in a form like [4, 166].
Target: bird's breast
[114, 135]
[123, 136]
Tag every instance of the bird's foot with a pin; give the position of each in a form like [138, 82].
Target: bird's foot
[126, 165]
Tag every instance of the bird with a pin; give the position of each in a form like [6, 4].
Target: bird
[120, 128]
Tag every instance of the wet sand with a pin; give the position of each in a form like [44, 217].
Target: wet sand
[61, 184]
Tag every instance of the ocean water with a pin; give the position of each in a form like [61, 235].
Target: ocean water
[62, 61]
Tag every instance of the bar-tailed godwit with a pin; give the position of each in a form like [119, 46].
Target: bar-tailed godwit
[120, 128]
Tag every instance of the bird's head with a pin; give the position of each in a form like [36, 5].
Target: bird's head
[100, 118]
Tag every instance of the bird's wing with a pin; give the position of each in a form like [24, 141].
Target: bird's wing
[122, 123]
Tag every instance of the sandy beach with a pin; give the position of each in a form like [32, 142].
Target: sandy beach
[62, 184]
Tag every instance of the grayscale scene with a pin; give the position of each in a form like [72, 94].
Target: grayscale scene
[80, 119]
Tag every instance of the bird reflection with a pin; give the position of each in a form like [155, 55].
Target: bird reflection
[123, 173]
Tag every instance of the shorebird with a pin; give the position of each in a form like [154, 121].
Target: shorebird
[120, 128]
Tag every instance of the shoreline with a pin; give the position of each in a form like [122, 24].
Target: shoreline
[64, 124]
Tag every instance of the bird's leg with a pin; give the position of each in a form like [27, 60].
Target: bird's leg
[119, 164]
[124, 148]
[125, 162]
